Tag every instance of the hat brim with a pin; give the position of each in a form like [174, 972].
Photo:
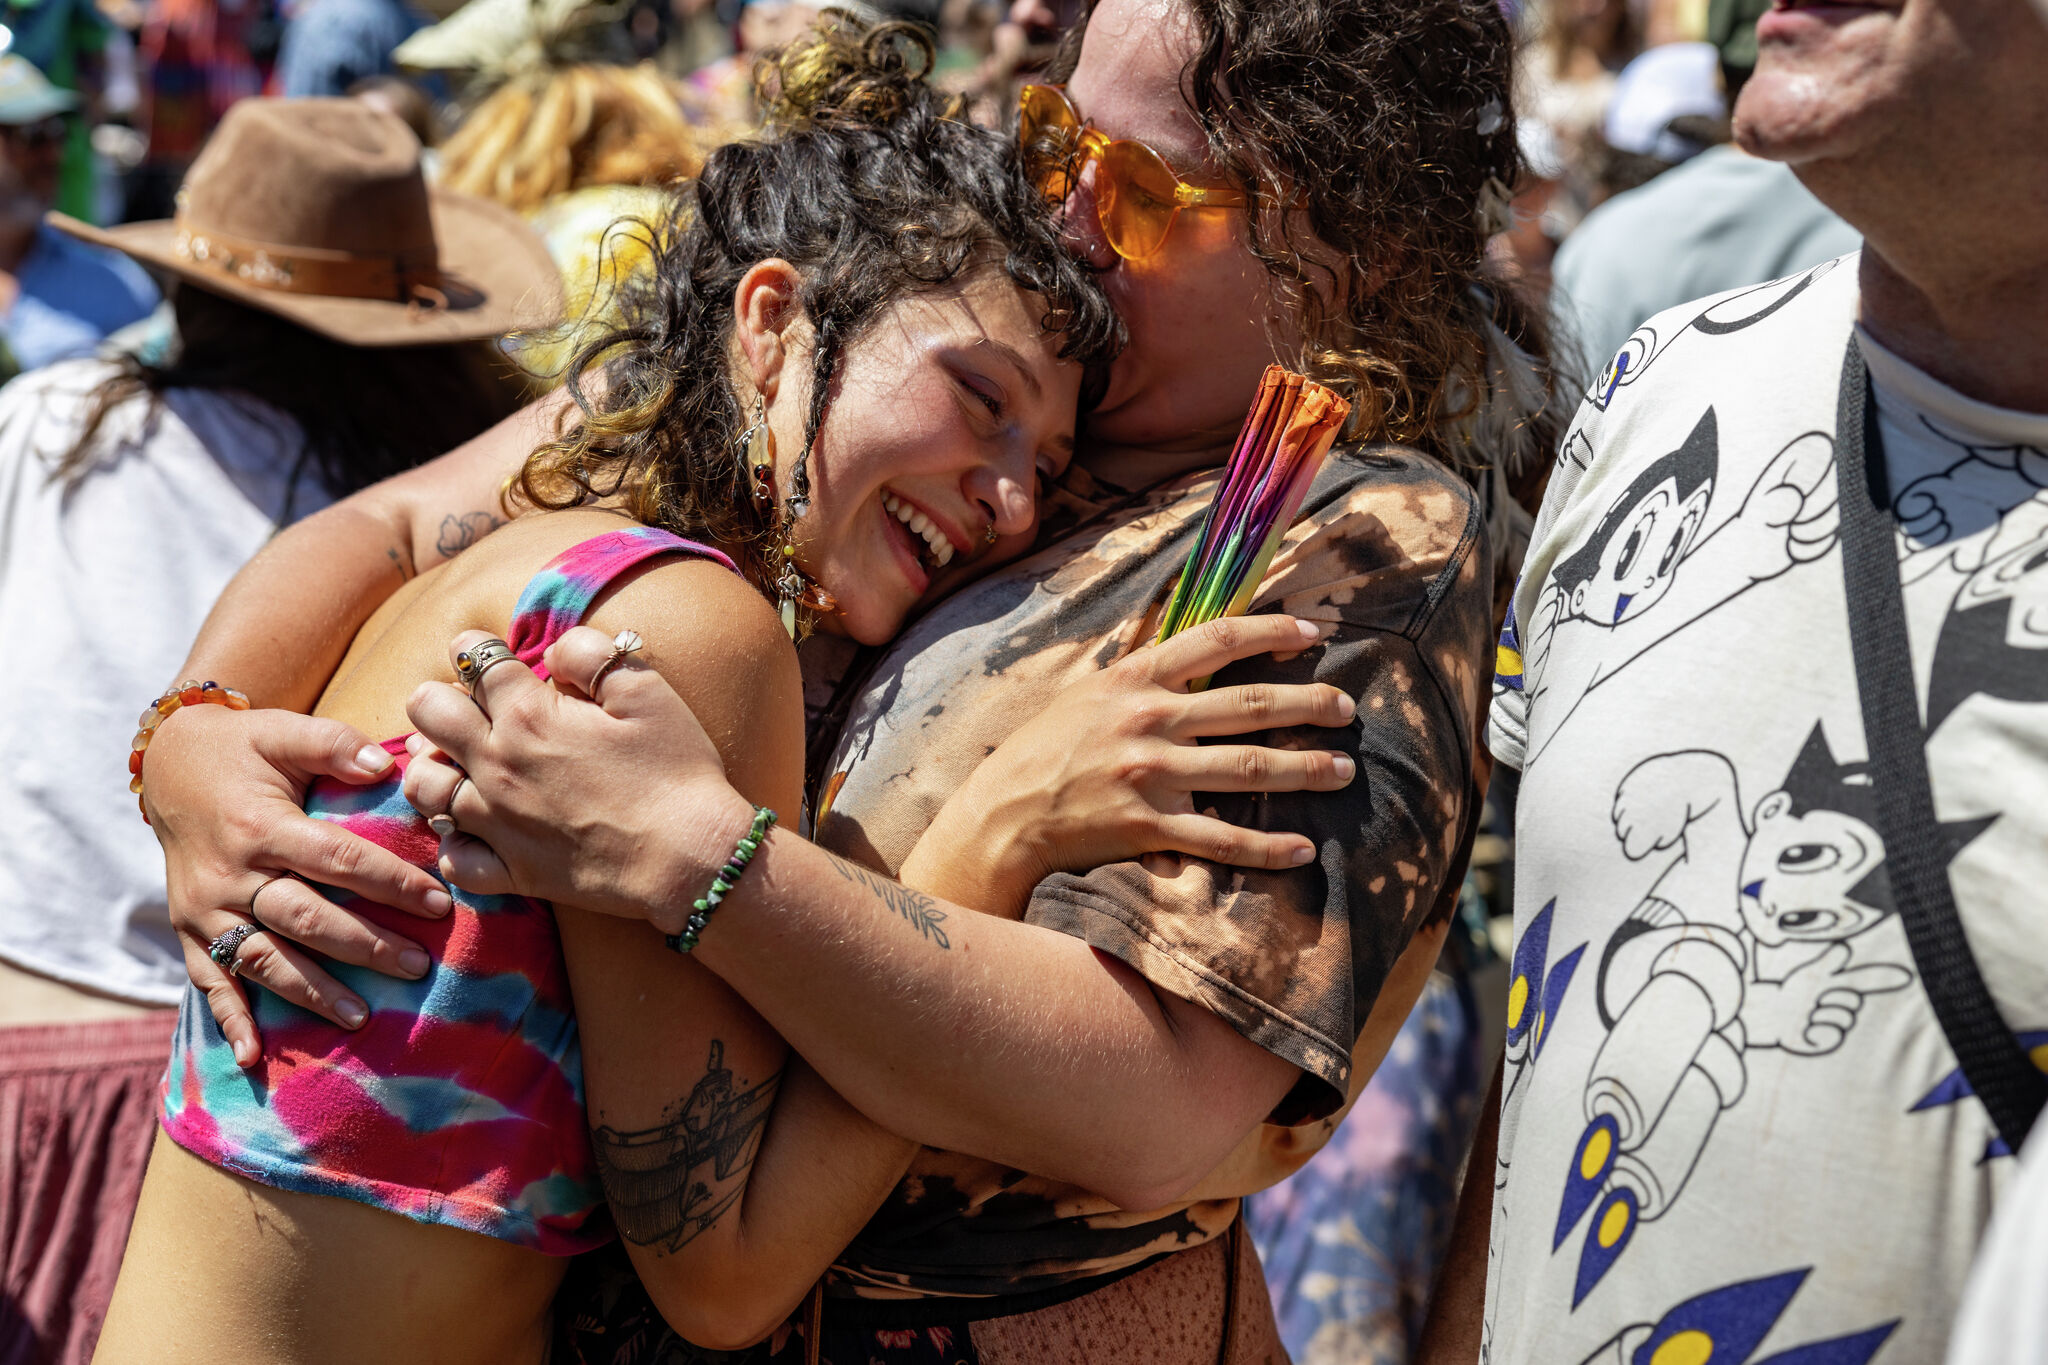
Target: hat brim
[497, 275]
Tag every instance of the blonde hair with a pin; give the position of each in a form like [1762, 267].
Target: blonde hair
[548, 132]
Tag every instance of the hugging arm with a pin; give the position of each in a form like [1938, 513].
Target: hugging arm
[224, 789]
[964, 1031]
[734, 1174]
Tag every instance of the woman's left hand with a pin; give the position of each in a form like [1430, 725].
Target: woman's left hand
[1109, 771]
[614, 808]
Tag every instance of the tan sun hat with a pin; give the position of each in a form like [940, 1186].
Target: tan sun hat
[315, 209]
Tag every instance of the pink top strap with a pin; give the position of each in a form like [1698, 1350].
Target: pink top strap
[558, 597]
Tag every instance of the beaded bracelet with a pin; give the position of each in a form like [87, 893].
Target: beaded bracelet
[184, 694]
[722, 884]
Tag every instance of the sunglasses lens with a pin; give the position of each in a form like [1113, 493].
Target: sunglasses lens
[1134, 194]
[1047, 131]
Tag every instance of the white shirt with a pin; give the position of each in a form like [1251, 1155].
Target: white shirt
[1732, 1127]
[102, 589]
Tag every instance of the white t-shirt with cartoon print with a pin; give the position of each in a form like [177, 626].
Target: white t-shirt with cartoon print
[1732, 1130]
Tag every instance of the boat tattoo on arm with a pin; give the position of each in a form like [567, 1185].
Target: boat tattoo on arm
[668, 1183]
[918, 910]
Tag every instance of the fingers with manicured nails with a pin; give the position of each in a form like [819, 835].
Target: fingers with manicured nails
[1251, 768]
[301, 748]
[1204, 836]
[1263, 706]
[1208, 647]
[224, 1000]
[313, 746]
[321, 851]
[289, 907]
[269, 961]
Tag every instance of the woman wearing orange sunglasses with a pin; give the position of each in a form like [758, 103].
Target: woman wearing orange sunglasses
[1100, 1083]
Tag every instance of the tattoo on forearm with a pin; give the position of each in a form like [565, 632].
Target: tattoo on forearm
[668, 1183]
[459, 533]
[919, 910]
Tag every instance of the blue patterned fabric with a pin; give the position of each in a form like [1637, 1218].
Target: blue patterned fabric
[1351, 1242]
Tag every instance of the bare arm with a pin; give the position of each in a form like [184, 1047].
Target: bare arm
[284, 621]
[1457, 1307]
[223, 790]
[1005, 1040]
[735, 1175]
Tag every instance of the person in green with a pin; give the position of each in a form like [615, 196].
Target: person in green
[65, 40]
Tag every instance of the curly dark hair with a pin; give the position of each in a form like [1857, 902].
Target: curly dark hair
[1386, 124]
[873, 186]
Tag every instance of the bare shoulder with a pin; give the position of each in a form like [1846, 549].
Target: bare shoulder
[720, 644]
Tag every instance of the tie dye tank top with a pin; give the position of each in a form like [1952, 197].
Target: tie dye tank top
[460, 1101]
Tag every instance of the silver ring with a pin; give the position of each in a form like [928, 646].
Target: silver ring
[281, 876]
[480, 658]
[455, 792]
[223, 949]
[624, 643]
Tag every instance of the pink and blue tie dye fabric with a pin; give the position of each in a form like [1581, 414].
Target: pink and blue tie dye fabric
[461, 1100]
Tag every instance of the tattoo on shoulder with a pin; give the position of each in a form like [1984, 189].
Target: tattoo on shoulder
[458, 533]
[668, 1183]
[398, 561]
[920, 911]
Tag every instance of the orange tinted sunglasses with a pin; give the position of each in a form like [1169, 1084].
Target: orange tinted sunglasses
[1137, 195]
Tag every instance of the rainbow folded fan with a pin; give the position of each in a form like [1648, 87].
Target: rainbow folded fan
[1290, 428]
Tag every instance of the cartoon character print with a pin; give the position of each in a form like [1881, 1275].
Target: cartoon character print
[1536, 991]
[1994, 641]
[1736, 313]
[1741, 943]
[1943, 513]
[1726, 1325]
[1654, 565]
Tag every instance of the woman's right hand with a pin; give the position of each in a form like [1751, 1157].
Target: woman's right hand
[224, 792]
[1109, 770]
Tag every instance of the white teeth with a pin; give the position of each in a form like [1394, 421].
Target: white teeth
[919, 523]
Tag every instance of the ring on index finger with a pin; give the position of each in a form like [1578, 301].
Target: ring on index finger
[480, 658]
[624, 643]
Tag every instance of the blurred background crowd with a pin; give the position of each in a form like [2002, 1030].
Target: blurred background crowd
[574, 115]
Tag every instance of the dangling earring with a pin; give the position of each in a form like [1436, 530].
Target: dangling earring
[757, 444]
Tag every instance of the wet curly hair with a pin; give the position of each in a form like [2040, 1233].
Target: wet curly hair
[875, 188]
[1387, 124]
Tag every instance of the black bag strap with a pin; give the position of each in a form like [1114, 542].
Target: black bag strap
[1916, 854]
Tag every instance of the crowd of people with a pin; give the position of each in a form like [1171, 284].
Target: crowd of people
[658, 831]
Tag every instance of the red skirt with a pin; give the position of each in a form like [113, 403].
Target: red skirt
[78, 1105]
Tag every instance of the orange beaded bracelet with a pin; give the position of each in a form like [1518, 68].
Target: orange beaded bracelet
[184, 694]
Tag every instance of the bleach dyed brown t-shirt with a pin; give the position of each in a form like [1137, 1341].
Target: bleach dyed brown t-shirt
[1390, 553]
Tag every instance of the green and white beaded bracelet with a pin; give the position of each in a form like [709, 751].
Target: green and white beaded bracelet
[727, 878]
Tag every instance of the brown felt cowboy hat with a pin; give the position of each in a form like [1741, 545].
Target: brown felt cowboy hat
[315, 209]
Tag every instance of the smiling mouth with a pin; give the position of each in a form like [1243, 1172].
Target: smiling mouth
[935, 551]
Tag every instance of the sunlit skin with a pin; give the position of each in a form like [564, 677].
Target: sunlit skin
[1203, 315]
[954, 403]
[1920, 122]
